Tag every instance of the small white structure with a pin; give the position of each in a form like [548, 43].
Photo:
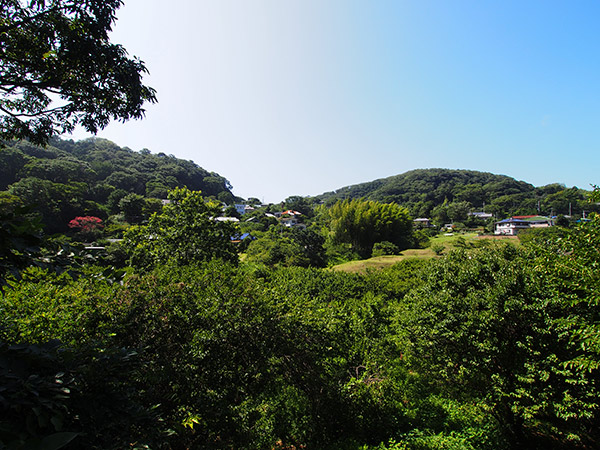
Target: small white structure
[227, 219]
[510, 227]
[516, 224]
[422, 222]
[292, 222]
[481, 215]
[290, 218]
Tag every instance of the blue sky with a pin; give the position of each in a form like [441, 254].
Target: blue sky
[299, 97]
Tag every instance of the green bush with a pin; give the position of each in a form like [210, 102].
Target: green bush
[438, 249]
[53, 395]
[487, 348]
[294, 356]
[484, 327]
[385, 248]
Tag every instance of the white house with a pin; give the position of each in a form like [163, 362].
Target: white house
[292, 222]
[291, 218]
[516, 224]
[422, 222]
[510, 227]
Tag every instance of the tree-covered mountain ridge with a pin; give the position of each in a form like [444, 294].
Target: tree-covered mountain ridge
[92, 176]
[424, 190]
[96, 177]
[97, 160]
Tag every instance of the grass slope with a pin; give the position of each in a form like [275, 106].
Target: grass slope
[449, 241]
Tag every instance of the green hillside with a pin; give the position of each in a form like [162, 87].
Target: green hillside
[91, 177]
[424, 190]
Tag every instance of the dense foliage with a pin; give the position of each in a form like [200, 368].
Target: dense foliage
[97, 178]
[185, 231]
[486, 348]
[487, 328]
[455, 193]
[61, 50]
[363, 223]
[286, 246]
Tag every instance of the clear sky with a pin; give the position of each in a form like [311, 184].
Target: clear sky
[299, 97]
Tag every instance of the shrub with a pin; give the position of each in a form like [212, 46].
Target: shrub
[438, 249]
[384, 248]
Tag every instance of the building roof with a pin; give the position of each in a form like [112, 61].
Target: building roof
[525, 219]
[513, 220]
[227, 219]
[291, 212]
[538, 219]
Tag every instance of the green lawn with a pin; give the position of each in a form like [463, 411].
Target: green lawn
[448, 241]
[380, 262]
[450, 238]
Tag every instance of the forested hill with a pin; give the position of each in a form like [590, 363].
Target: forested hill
[422, 190]
[92, 176]
[100, 161]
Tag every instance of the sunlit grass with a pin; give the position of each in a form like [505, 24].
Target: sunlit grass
[449, 241]
[381, 262]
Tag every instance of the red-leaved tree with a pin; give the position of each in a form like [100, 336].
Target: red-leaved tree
[86, 224]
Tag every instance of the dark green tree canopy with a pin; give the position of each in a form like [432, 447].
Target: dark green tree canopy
[58, 69]
[362, 223]
[422, 190]
[90, 177]
[282, 246]
[185, 232]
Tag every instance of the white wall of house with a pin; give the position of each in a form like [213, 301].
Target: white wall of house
[510, 228]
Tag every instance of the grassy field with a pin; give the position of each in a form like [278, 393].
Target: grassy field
[380, 262]
[451, 238]
[449, 241]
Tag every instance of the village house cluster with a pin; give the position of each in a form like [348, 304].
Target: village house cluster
[289, 218]
[506, 227]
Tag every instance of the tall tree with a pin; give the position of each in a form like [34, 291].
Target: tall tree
[288, 247]
[60, 50]
[362, 223]
[300, 204]
[185, 232]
